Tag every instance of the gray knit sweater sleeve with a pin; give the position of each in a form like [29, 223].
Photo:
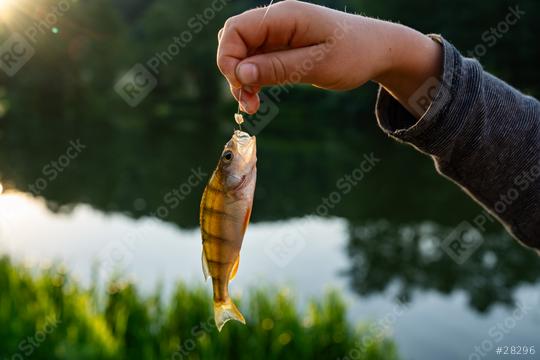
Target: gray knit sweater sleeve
[482, 134]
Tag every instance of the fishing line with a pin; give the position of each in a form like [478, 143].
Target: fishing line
[264, 16]
[238, 117]
[239, 99]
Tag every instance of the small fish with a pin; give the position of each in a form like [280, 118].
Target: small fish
[225, 211]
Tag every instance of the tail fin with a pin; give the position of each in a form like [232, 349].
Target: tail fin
[225, 311]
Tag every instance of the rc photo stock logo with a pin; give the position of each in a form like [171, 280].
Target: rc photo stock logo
[268, 110]
[135, 85]
[18, 49]
[462, 242]
[284, 246]
[423, 97]
[15, 52]
[140, 80]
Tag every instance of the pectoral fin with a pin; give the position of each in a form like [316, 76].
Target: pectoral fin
[234, 269]
[205, 270]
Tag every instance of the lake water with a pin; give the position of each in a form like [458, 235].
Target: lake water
[306, 255]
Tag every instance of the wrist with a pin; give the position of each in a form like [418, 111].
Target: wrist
[388, 43]
[412, 59]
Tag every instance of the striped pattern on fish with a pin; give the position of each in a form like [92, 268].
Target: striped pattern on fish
[225, 211]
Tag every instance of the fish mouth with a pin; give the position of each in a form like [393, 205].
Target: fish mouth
[245, 144]
[243, 138]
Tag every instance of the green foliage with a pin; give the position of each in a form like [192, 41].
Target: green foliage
[48, 316]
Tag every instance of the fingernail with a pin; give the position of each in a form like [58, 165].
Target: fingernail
[248, 73]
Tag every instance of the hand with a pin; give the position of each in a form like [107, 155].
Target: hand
[299, 42]
[254, 52]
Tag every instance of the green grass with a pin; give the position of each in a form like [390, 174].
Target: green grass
[47, 315]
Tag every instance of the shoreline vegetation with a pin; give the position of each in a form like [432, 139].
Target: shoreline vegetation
[46, 314]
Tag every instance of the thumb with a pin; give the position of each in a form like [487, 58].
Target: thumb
[300, 65]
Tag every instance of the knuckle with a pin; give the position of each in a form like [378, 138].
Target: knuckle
[231, 22]
[287, 5]
[223, 65]
[220, 62]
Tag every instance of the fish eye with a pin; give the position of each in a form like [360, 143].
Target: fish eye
[228, 156]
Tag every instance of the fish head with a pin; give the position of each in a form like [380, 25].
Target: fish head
[238, 159]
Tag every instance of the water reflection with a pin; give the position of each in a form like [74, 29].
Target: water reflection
[159, 171]
[382, 253]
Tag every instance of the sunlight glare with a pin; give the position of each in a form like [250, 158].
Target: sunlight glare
[5, 5]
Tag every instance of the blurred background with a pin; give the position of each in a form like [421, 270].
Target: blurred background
[112, 118]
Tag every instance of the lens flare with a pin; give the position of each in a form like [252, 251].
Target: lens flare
[5, 6]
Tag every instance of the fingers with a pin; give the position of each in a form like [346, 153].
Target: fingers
[249, 100]
[283, 67]
[275, 45]
[287, 24]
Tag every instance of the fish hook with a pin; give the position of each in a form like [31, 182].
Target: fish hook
[238, 117]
